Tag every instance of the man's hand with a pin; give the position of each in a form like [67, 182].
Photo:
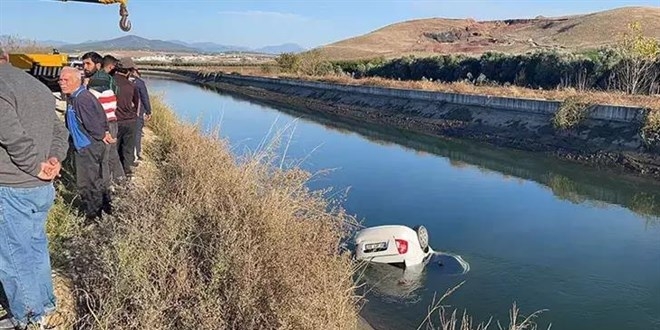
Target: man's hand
[57, 166]
[147, 117]
[108, 138]
[47, 172]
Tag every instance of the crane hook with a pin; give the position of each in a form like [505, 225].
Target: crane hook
[124, 23]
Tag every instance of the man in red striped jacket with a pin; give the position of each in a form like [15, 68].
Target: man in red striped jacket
[102, 85]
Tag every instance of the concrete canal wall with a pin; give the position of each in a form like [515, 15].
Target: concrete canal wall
[531, 106]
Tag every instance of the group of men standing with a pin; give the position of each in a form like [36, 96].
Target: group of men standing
[106, 106]
[111, 156]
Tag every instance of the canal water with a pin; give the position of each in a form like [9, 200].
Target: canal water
[582, 245]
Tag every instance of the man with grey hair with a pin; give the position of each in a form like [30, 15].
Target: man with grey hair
[88, 127]
[33, 144]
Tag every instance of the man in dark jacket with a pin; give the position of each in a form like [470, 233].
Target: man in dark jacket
[127, 102]
[88, 127]
[33, 143]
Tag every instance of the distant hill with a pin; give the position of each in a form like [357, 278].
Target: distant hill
[54, 43]
[211, 47]
[442, 35]
[136, 43]
[130, 42]
[214, 47]
[279, 49]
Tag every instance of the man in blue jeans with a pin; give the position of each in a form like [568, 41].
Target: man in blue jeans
[33, 143]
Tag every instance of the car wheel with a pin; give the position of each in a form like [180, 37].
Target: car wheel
[422, 237]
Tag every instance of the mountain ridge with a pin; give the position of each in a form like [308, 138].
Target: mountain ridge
[137, 43]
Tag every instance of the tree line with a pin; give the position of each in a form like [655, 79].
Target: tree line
[604, 70]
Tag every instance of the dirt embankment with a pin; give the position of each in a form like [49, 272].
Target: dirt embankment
[612, 145]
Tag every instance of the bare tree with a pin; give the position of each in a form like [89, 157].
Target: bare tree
[15, 44]
[638, 71]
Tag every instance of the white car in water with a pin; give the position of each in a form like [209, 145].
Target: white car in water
[393, 244]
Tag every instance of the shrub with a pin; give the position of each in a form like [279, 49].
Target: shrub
[288, 62]
[571, 112]
[651, 129]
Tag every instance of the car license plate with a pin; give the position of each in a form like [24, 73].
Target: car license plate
[375, 246]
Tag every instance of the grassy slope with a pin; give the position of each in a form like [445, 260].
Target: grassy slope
[574, 33]
[202, 240]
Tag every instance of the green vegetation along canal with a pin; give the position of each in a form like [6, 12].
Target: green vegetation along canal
[583, 244]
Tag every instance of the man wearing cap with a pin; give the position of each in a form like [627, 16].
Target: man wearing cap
[127, 102]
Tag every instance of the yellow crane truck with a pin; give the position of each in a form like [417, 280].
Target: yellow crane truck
[47, 67]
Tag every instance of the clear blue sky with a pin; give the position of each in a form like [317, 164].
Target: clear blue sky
[309, 23]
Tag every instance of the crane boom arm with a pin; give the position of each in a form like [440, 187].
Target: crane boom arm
[124, 23]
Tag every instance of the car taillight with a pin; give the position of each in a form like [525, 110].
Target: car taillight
[401, 245]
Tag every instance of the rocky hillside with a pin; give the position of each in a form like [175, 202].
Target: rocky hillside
[441, 35]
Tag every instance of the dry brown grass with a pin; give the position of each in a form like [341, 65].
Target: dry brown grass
[592, 97]
[63, 225]
[574, 33]
[450, 320]
[205, 241]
